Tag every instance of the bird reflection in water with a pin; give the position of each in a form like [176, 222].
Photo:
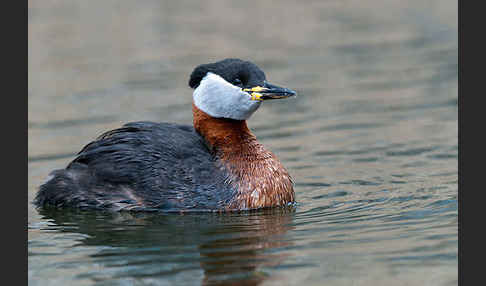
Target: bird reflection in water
[230, 248]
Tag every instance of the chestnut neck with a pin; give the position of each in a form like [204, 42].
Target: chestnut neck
[260, 178]
[224, 136]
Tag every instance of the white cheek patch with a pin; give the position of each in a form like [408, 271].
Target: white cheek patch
[219, 98]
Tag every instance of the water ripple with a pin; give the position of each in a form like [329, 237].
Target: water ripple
[370, 141]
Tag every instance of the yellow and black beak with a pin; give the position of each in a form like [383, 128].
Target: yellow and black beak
[269, 91]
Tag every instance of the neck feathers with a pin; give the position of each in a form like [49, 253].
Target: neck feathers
[222, 135]
[259, 177]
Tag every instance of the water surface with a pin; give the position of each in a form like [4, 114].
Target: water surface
[371, 140]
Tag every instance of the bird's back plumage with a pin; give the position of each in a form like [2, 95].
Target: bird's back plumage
[141, 166]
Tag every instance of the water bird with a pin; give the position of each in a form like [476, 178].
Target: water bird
[215, 165]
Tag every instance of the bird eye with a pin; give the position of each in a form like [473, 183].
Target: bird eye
[237, 82]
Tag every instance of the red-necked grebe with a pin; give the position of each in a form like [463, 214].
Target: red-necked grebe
[216, 165]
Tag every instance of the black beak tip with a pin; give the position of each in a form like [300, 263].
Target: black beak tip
[292, 92]
[276, 92]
